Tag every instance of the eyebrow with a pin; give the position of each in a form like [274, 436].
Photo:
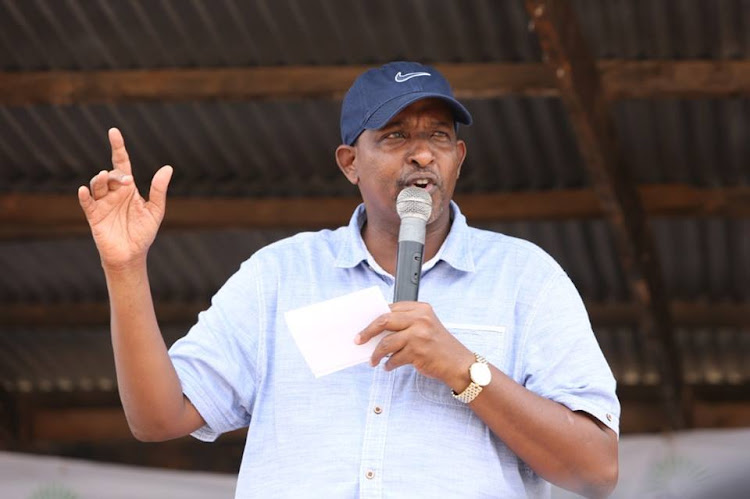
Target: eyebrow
[395, 124]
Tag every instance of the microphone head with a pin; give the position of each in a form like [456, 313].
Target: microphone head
[414, 202]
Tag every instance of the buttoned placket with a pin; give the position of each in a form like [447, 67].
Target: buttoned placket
[378, 409]
[376, 425]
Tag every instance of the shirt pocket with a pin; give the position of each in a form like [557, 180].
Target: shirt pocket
[485, 340]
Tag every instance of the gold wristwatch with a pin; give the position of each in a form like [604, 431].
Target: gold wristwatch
[480, 375]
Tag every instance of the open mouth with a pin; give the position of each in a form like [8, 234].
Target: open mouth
[422, 183]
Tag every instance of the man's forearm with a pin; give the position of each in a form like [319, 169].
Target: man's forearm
[149, 387]
[566, 448]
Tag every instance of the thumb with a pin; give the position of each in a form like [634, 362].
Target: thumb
[157, 196]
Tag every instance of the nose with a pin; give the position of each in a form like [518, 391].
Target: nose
[420, 154]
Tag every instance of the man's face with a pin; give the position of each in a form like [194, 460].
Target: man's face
[418, 147]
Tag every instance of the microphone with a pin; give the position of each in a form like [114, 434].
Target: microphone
[414, 207]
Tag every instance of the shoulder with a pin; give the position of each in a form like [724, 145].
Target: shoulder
[491, 247]
[301, 246]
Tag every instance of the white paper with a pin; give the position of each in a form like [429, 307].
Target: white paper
[325, 331]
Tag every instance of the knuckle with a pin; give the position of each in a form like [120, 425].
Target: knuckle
[383, 345]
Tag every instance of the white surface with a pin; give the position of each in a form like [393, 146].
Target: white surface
[24, 476]
[691, 464]
[325, 331]
[682, 465]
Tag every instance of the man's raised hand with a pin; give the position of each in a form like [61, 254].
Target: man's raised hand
[123, 223]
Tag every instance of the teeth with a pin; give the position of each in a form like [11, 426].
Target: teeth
[421, 182]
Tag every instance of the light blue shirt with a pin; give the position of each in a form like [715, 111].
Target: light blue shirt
[364, 432]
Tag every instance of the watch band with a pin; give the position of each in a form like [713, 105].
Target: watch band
[471, 391]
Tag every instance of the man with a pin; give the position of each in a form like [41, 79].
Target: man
[491, 386]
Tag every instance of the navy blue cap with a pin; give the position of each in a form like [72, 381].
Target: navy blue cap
[378, 95]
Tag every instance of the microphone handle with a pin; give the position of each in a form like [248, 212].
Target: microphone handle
[408, 270]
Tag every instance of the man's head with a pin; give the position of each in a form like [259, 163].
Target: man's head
[398, 125]
[379, 94]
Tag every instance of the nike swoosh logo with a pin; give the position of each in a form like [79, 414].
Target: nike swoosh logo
[408, 76]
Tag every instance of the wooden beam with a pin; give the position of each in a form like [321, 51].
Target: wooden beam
[583, 96]
[25, 215]
[621, 79]
[59, 315]
[184, 453]
[7, 433]
[53, 315]
[715, 414]
[88, 424]
[669, 200]
[80, 424]
[642, 417]
[685, 314]
[295, 82]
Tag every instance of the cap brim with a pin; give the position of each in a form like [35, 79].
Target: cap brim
[387, 111]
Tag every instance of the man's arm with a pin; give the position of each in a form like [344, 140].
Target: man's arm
[570, 449]
[124, 226]
[567, 448]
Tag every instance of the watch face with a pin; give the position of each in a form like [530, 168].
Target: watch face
[480, 374]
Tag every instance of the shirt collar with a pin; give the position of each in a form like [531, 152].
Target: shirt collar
[352, 250]
[456, 250]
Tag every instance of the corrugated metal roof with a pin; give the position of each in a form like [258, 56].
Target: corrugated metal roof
[697, 142]
[277, 148]
[88, 35]
[666, 29]
[285, 148]
[106, 35]
[62, 360]
[709, 356]
[183, 266]
[705, 259]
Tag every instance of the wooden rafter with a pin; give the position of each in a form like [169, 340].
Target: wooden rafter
[583, 95]
[625, 79]
[620, 79]
[89, 314]
[83, 87]
[24, 215]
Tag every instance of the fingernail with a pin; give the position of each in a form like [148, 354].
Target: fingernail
[358, 339]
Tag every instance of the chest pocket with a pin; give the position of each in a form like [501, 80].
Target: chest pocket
[485, 340]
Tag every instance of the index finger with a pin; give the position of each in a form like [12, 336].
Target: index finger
[373, 329]
[120, 158]
[386, 322]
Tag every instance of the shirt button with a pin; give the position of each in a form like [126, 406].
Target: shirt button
[370, 474]
[377, 409]
[609, 417]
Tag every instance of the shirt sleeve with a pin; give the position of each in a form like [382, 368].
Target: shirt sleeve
[562, 359]
[217, 361]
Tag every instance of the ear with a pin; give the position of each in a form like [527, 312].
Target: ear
[461, 152]
[345, 156]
